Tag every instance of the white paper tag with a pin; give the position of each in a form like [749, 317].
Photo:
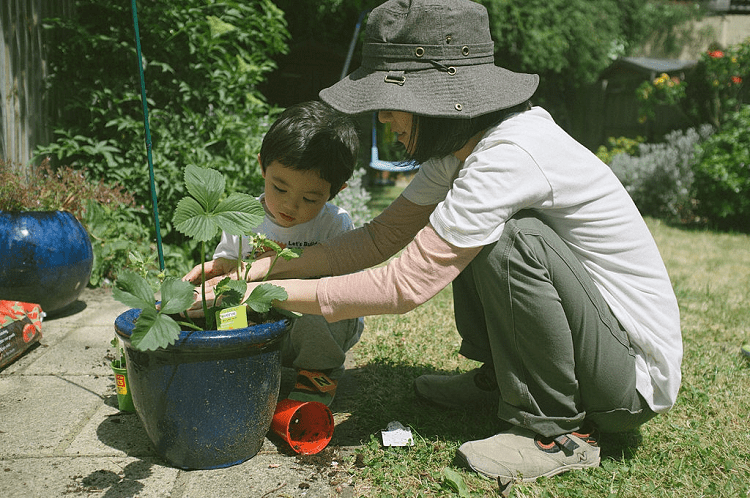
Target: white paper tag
[396, 434]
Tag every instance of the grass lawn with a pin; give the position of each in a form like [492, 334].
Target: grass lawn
[700, 448]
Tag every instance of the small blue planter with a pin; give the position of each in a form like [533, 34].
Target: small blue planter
[45, 258]
[207, 401]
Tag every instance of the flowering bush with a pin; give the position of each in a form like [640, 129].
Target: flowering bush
[354, 199]
[723, 74]
[713, 90]
[664, 90]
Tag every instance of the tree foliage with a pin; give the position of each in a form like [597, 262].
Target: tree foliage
[203, 61]
[570, 42]
[567, 42]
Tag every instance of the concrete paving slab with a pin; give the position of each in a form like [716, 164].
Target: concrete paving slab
[109, 477]
[82, 352]
[110, 432]
[61, 433]
[266, 475]
[39, 415]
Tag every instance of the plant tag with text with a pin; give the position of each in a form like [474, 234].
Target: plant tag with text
[232, 318]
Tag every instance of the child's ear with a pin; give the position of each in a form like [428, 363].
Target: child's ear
[337, 193]
[262, 169]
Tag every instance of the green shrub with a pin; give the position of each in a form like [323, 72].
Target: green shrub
[203, 61]
[620, 145]
[722, 173]
[115, 234]
[660, 177]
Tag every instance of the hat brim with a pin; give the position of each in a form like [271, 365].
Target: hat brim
[472, 91]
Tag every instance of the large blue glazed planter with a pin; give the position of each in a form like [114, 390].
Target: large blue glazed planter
[45, 258]
[206, 401]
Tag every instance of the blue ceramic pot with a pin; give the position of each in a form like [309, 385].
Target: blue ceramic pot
[206, 401]
[45, 258]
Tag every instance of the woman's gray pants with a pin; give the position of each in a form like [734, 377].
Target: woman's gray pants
[526, 306]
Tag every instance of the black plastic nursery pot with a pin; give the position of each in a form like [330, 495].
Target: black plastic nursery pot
[206, 401]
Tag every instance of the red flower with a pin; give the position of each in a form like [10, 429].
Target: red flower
[736, 80]
[716, 54]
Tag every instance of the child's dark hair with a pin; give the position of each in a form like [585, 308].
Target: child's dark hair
[439, 137]
[313, 136]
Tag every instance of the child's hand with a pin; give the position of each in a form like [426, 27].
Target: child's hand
[196, 309]
[216, 268]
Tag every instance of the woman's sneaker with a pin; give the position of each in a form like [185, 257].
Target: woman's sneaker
[476, 387]
[521, 455]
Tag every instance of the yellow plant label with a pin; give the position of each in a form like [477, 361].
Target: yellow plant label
[231, 318]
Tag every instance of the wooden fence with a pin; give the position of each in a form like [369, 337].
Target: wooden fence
[25, 105]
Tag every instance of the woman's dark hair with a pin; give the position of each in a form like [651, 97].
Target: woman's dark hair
[439, 137]
[313, 136]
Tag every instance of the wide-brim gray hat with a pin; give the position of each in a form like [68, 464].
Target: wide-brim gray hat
[430, 57]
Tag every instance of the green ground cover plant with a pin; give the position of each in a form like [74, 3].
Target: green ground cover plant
[700, 448]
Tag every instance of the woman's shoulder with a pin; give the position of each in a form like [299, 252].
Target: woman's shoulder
[524, 122]
[528, 130]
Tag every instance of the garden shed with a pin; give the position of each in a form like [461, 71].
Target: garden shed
[618, 104]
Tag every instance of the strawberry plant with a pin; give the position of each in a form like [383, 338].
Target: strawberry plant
[200, 215]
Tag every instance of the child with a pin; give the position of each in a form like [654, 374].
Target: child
[306, 158]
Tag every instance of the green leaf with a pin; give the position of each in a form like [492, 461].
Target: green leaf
[132, 290]
[176, 295]
[206, 185]
[154, 330]
[192, 220]
[261, 297]
[259, 240]
[454, 480]
[219, 27]
[239, 214]
[231, 291]
[290, 253]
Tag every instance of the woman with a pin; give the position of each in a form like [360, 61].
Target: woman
[559, 289]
